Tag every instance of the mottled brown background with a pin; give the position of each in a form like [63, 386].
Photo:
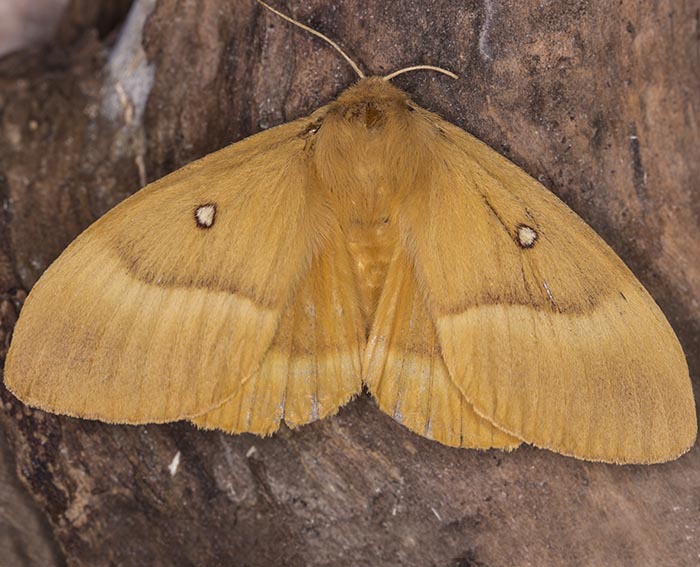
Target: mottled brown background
[597, 99]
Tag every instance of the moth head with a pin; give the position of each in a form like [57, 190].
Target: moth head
[370, 101]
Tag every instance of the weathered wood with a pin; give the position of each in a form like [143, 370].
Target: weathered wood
[599, 100]
[27, 24]
[25, 536]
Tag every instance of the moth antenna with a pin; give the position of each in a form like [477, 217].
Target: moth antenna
[420, 68]
[328, 40]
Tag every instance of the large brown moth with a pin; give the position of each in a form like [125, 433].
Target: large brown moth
[369, 243]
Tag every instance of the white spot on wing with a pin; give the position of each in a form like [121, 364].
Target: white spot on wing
[205, 215]
[174, 464]
[526, 236]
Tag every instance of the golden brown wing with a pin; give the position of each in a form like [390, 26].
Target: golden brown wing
[314, 363]
[162, 308]
[542, 327]
[405, 372]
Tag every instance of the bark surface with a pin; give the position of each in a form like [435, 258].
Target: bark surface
[598, 100]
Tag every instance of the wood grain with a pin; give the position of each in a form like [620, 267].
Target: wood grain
[597, 100]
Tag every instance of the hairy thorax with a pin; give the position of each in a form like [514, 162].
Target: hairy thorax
[366, 188]
[370, 230]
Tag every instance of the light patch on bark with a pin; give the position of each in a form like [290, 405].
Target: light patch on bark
[174, 464]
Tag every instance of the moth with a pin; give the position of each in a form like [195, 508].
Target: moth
[370, 243]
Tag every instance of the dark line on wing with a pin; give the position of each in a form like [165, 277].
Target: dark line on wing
[495, 214]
